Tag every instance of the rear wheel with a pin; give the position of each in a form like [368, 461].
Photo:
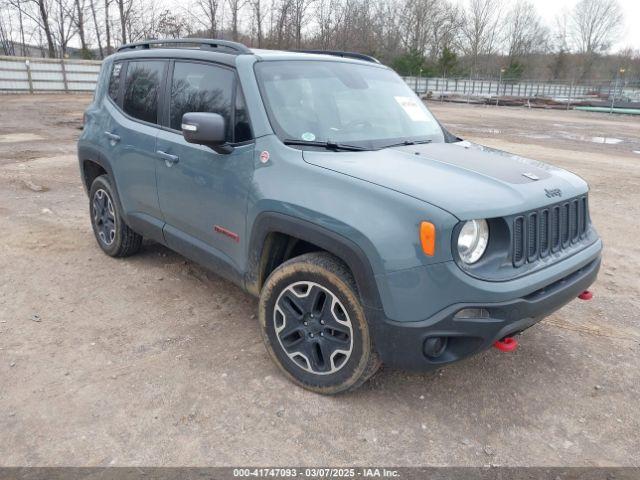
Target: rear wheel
[113, 235]
[314, 326]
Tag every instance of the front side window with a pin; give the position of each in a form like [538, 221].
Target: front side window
[141, 89]
[201, 88]
[322, 101]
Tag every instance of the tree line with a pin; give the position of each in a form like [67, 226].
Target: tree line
[477, 38]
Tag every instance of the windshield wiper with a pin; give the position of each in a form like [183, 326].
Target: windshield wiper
[329, 145]
[406, 142]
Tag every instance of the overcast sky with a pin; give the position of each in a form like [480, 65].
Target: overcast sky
[630, 8]
[549, 10]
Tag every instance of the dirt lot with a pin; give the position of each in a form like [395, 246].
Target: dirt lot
[154, 361]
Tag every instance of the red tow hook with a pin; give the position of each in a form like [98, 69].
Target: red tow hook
[507, 344]
[586, 295]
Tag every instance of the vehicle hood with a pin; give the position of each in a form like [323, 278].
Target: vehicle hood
[463, 178]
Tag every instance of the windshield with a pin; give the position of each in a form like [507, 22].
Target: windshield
[346, 103]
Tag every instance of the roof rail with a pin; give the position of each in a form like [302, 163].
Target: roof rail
[338, 53]
[203, 44]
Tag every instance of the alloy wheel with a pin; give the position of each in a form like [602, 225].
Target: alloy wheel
[104, 216]
[313, 327]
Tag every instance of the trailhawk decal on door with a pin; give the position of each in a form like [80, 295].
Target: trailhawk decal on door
[232, 235]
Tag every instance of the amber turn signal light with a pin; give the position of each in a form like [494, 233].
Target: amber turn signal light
[428, 238]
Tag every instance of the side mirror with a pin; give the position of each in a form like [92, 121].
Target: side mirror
[206, 129]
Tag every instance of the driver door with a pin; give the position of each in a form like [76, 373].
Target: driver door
[203, 194]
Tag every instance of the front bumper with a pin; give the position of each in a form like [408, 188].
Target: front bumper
[400, 344]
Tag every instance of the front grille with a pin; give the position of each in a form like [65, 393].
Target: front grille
[549, 230]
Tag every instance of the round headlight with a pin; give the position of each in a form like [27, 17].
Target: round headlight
[472, 240]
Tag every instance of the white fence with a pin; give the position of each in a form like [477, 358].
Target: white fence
[33, 75]
[18, 74]
[463, 86]
[523, 89]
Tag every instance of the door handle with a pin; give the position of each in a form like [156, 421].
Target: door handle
[169, 159]
[112, 136]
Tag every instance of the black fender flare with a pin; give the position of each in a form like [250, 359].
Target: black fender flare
[336, 244]
[87, 153]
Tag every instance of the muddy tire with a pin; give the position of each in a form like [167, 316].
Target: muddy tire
[114, 237]
[314, 326]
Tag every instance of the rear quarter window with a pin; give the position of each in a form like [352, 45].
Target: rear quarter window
[114, 81]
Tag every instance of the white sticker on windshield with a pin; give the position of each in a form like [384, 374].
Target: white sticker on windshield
[308, 137]
[412, 109]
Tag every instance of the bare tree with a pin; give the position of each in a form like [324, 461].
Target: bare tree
[206, 13]
[280, 10]
[6, 42]
[299, 18]
[480, 31]
[443, 36]
[6, 20]
[417, 24]
[107, 25]
[79, 21]
[125, 9]
[595, 24]
[171, 25]
[329, 14]
[427, 26]
[96, 26]
[447, 24]
[234, 11]
[524, 32]
[64, 22]
[38, 11]
[257, 15]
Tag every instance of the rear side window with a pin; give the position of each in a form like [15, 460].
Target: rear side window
[114, 81]
[201, 88]
[141, 87]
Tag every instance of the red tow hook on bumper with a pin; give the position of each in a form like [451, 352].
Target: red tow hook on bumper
[507, 344]
[586, 295]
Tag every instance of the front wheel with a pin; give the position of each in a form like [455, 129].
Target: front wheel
[314, 326]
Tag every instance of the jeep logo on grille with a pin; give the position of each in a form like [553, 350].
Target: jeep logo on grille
[553, 192]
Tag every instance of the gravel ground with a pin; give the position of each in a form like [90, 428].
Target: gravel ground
[154, 361]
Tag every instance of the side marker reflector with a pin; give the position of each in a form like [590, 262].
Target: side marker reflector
[428, 238]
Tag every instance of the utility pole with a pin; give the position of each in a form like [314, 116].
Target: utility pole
[615, 89]
[570, 91]
[499, 83]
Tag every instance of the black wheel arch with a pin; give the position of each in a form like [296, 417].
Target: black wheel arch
[88, 157]
[269, 223]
